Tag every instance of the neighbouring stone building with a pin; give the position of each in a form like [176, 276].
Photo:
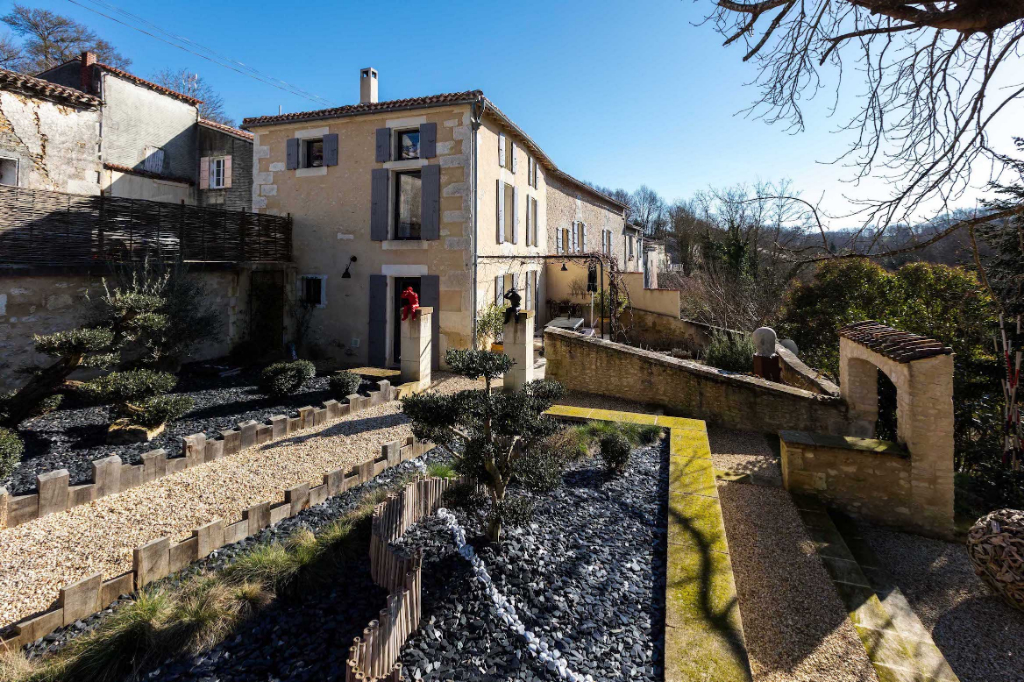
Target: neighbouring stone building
[441, 193]
[152, 143]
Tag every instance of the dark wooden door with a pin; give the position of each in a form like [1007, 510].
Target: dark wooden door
[266, 310]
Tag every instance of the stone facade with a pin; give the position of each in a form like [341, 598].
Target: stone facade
[216, 141]
[687, 388]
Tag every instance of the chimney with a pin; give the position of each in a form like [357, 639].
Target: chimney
[368, 86]
[88, 59]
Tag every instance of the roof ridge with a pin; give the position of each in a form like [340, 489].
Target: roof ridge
[48, 88]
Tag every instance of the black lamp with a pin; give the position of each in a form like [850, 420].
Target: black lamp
[564, 269]
[347, 274]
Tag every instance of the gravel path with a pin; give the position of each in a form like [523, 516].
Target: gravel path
[72, 438]
[796, 627]
[39, 557]
[981, 637]
[587, 577]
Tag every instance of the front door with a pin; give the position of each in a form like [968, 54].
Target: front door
[400, 285]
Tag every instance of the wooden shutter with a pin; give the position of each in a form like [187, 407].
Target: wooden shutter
[536, 228]
[515, 158]
[515, 215]
[501, 212]
[428, 140]
[383, 146]
[498, 293]
[227, 172]
[291, 154]
[376, 342]
[430, 297]
[529, 289]
[379, 204]
[204, 173]
[331, 149]
[501, 149]
[529, 224]
[430, 202]
[575, 239]
[558, 241]
[583, 236]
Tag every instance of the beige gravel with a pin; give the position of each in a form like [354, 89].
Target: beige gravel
[796, 627]
[981, 637]
[745, 452]
[39, 557]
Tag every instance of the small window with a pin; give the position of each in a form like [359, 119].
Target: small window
[408, 205]
[217, 173]
[313, 153]
[509, 227]
[408, 145]
[312, 292]
[9, 172]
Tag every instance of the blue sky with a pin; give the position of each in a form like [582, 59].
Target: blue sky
[619, 93]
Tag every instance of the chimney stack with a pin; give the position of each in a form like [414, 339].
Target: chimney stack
[368, 86]
[88, 59]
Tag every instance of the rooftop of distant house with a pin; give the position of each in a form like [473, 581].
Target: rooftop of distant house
[121, 73]
[37, 87]
[473, 97]
[214, 125]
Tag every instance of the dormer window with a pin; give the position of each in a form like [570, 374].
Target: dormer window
[408, 144]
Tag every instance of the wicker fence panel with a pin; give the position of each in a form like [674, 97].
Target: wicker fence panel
[51, 228]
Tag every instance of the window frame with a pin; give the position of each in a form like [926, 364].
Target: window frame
[396, 152]
[397, 207]
[304, 146]
[303, 279]
[214, 161]
[16, 162]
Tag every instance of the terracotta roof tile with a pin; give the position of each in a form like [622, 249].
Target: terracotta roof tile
[245, 135]
[894, 344]
[12, 80]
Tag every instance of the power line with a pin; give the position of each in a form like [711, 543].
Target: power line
[216, 59]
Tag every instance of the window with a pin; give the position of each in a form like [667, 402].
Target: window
[559, 243]
[9, 172]
[629, 247]
[408, 205]
[408, 144]
[217, 173]
[312, 153]
[311, 291]
[507, 226]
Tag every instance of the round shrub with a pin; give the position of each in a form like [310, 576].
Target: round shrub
[133, 386]
[11, 448]
[160, 410]
[513, 511]
[285, 378]
[615, 449]
[345, 383]
[539, 470]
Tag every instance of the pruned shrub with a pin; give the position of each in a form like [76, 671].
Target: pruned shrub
[285, 378]
[11, 448]
[464, 496]
[539, 470]
[160, 410]
[47, 405]
[345, 383]
[731, 352]
[512, 511]
[137, 395]
[615, 449]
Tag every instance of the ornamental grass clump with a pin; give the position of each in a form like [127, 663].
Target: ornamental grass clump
[282, 379]
[615, 451]
[487, 433]
[11, 449]
[730, 352]
[345, 383]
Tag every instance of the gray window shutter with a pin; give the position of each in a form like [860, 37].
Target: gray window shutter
[501, 213]
[515, 215]
[515, 159]
[536, 227]
[501, 149]
[558, 239]
[383, 145]
[583, 236]
[331, 149]
[292, 154]
[430, 297]
[377, 339]
[430, 200]
[379, 204]
[529, 224]
[428, 140]
[498, 293]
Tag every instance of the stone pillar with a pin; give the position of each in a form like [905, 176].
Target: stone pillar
[925, 425]
[416, 348]
[518, 342]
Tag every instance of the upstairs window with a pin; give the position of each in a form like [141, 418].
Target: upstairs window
[408, 145]
[217, 172]
[313, 153]
[408, 205]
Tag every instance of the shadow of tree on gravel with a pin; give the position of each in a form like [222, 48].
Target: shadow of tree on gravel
[352, 427]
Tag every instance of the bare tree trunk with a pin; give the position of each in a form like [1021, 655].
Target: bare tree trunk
[22, 403]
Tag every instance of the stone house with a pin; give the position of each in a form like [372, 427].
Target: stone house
[443, 193]
[152, 142]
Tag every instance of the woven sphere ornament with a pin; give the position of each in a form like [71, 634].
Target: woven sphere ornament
[995, 546]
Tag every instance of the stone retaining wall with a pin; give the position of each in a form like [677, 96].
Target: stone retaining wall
[867, 478]
[687, 388]
[110, 476]
[161, 557]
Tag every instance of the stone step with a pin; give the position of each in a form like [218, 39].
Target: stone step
[899, 646]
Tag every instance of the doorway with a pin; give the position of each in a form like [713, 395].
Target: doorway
[401, 283]
[266, 310]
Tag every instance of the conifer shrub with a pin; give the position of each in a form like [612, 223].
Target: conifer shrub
[285, 378]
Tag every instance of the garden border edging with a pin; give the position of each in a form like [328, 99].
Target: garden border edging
[111, 476]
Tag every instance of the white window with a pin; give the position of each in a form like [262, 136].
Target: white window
[9, 172]
[217, 172]
[313, 290]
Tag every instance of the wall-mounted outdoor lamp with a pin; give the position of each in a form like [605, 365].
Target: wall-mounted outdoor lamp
[347, 274]
[564, 269]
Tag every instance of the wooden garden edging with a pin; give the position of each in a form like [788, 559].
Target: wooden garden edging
[161, 557]
[374, 656]
[110, 476]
